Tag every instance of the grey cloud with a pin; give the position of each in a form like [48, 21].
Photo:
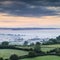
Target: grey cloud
[37, 2]
[34, 8]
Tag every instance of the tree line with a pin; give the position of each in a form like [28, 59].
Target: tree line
[52, 41]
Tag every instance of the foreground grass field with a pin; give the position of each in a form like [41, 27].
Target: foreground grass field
[44, 58]
[6, 53]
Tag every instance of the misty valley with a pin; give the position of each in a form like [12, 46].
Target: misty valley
[19, 36]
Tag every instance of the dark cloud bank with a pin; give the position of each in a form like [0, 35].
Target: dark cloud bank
[34, 8]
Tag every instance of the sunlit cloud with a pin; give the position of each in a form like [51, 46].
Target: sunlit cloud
[19, 21]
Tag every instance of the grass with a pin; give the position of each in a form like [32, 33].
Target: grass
[44, 58]
[52, 46]
[6, 53]
[44, 48]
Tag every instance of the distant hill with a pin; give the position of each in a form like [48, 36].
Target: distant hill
[27, 28]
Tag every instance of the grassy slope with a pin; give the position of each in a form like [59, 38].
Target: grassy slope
[44, 58]
[52, 46]
[49, 47]
[44, 47]
[5, 53]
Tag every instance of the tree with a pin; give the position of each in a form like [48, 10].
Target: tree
[6, 59]
[14, 57]
[1, 58]
[32, 44]
[5, 43]
[37, 47]
[53, 41]
[58, 51]
[38, 43]
[32, 54]
[58, 39]
[25, 43]
[50, 41]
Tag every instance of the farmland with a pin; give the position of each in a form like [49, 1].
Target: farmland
[6, 53]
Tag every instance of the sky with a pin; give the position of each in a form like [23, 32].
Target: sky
[30, 13]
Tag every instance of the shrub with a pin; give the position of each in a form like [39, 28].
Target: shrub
[37, 47]
[14, 57]
[6, 59]
[58, 51]
[1, 58]
[25, 43]
[32, 54]
[54, 52]
[31, 49]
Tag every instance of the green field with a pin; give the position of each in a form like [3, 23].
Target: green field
[44, 58]
[52, 46]
[43, 47]
[46, 49]
[49, 47]
[6, 53]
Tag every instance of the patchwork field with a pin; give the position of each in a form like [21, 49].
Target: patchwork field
[52, 46]
[43, 47]
[49, 47]
[6, 53]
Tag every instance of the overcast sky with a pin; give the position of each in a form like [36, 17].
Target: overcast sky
[30, 13]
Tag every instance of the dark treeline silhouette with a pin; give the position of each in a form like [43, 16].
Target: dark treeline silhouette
[52, 41]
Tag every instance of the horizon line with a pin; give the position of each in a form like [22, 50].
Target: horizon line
[25, 28]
